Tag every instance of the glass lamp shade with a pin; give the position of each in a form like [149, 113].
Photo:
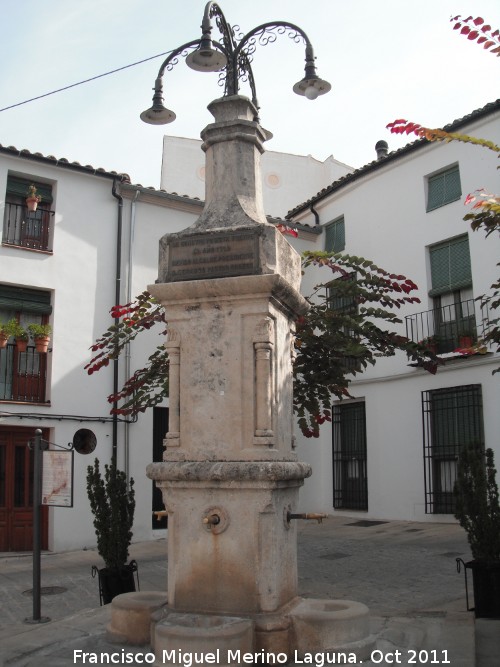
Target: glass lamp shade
[312, 88]
[206, 60]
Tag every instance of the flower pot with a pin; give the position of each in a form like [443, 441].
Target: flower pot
[32, 203]
[115, 582]
[486, 585]
[42, 344]
[22, 345]
[465, 341]
[3, 342]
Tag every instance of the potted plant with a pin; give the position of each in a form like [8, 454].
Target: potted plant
[13, 328]
[112, 501]
[32, 199]
[41, 335]
[430, 343]
[4, 335]
[478, 512]
[465, 341]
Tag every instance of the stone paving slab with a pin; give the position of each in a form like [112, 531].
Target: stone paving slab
[400, 640]
[405, 572]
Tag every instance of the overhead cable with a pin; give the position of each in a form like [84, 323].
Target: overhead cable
[73, 85]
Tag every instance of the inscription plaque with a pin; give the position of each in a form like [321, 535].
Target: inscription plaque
[217, 255]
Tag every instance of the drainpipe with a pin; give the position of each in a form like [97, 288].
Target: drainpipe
[129, 299]
[315, 213]
[118, 278]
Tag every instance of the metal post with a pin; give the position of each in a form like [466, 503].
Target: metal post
[37, 533]
[37, 492]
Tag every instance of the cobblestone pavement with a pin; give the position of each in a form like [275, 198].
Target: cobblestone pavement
[66, 581]
[393, 567]
[404, 572]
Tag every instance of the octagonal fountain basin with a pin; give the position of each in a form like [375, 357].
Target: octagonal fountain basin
[322, 626]
[210, 637]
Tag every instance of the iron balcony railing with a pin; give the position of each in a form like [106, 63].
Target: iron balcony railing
[27, 229]
[448, 328]
[23, 375]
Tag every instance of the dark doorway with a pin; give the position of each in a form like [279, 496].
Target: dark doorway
[16, 491]
[160, 428]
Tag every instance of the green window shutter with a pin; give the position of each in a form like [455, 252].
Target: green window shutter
[443, 188]
[335, 236]
[18, 187]
[23, 300]
[450, 266]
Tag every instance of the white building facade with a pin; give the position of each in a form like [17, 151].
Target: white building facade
[391, 451]
[93, 242]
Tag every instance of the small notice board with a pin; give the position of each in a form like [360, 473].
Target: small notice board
[57, 478]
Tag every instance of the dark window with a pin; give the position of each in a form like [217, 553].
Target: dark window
[451, 289]
[23, 374]
[443, 188]
[22, 227]
[452, 418]
[341, 300]
[350, 485]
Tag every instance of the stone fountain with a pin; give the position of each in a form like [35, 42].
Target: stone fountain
[230, 477]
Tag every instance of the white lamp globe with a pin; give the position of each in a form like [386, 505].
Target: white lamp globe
[311, 92]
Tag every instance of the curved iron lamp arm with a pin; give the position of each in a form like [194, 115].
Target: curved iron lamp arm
[233, 58]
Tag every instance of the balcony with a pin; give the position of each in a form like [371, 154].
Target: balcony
[449, 328]
[23, 375]
[27, 229]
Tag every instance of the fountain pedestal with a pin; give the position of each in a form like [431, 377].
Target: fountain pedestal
[230, 476]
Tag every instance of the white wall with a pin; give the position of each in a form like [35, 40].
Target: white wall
[386, 221]
[286, 178]
[81, 274]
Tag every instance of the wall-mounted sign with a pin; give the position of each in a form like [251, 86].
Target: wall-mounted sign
[57, 478]
[84, 441]
[213, 255]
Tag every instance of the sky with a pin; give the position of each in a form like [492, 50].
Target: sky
[385, 59]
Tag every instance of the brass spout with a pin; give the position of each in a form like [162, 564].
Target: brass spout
[309, 517]
[212, 520]
[160, 514]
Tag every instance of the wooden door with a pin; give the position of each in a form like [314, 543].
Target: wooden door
[16, 491]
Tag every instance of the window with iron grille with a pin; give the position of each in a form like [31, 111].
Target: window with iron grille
[23, 374]
[452, 418]
[24, 228]
[451, 289]
[335, 235]
[350, 484]
[341, 300]
[443, 188]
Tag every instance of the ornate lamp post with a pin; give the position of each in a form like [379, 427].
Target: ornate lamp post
[232, 56]
[230, 477]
